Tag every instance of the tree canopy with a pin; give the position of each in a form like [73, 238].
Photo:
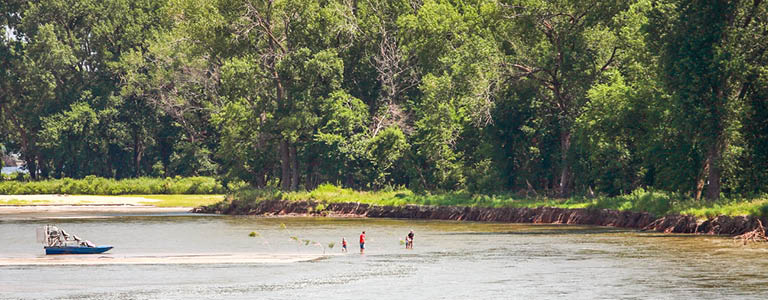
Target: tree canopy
[555, 97]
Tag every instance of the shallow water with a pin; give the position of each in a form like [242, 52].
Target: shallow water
[450, 260]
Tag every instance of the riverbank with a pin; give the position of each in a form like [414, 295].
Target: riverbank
[721, 225]
[659, 203]
[641, 209]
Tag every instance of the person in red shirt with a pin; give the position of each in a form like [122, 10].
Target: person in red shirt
[362, 242]
[343, 245]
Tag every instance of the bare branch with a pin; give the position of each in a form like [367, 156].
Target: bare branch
[610, 60]
[395, 73]
[257, 19]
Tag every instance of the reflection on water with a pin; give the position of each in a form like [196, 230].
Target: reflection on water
[449, 260]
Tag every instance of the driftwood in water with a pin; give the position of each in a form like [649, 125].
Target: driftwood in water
[756, 235]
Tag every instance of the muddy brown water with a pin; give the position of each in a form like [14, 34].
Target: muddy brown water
[450, 260]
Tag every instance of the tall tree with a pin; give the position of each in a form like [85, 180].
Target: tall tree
[710, 73]
[564, 46]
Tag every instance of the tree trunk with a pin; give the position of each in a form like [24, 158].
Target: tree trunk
[701, 181]
[348, 181]
[712, 168]
[309, 181]
[59, 173]
[709, 175]
[294, 169]
[29, 157]
[713, 186]
[261, 181]
[565, 146]
[42, 167]
[715, 169]
[31, 161]
[106, 168]
[285, 166]
[138, 151]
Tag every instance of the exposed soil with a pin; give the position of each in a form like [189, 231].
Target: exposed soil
[723, 225]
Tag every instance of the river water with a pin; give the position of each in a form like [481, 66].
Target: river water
[450, 260]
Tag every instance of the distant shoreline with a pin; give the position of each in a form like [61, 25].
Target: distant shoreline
[76, 211]
[62, 199]
[120, 203]
[77, 206]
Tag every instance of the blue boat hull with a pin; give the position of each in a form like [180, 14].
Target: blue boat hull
[76, 250]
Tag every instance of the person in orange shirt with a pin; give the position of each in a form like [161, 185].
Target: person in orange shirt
[362, 242]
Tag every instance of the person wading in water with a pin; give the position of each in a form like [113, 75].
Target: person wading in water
[409, 241]
[362, 242]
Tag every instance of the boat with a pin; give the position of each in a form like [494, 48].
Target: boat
[77, 250]
[58, 241]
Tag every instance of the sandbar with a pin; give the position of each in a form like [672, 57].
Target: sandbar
[31, 212]
[77, 199]
[162, 259]
[80, 206]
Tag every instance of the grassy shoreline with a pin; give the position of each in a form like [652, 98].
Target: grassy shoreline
[179, 200]
[206, 191]
[654, 202]
[185, 200]
[92, 185]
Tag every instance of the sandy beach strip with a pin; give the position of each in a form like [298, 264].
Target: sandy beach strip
[163, 259]
[10, 212]
[73, 206]
[75, 199]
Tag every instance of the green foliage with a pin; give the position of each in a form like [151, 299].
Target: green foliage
[92, 185]
[483, 177]
[658, 203]
[386, 149]
[436, 133]
[638, 104]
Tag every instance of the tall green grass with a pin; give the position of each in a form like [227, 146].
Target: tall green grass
[92, 185]
[658, 203]
[181, 200]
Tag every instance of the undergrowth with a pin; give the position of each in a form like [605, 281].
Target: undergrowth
[658, 203]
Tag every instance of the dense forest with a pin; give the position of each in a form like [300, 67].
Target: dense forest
[556, 97]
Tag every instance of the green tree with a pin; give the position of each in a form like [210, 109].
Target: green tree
[565, 47]
[63, 53]
[461, 60]
[710, 74]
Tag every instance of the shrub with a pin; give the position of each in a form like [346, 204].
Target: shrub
[656, 202]
[92, 185]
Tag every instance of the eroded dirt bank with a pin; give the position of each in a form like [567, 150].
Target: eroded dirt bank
[724, 225]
